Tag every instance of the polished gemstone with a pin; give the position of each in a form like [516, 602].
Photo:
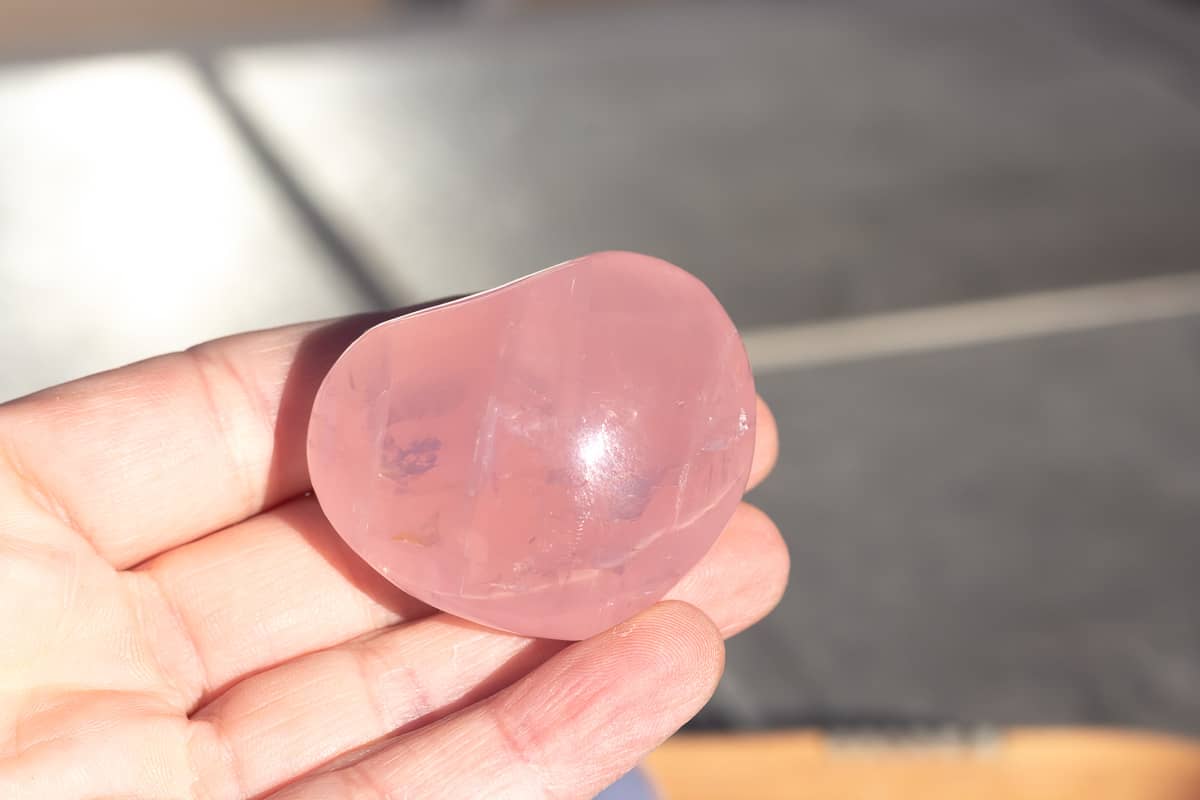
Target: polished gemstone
[548, 457]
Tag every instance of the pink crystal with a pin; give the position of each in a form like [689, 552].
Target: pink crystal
[548, 457]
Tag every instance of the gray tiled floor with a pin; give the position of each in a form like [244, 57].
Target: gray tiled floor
[1005, 533]
[806, 159]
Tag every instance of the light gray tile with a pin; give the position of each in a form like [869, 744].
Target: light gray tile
[806, 159]
[132, 223]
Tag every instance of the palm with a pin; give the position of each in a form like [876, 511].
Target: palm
[179, 620]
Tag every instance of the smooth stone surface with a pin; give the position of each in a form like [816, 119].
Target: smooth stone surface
[548, 457]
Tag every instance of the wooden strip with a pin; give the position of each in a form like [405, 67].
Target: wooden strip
[1020, 764]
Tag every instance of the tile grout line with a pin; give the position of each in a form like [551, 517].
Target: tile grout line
[784, 347]
[316, 224]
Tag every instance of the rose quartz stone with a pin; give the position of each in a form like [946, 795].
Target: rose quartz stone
[548, 457]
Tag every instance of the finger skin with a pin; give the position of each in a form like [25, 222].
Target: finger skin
[566, 730]
[143, 458]
[766, 445]
[742, 577]
[258, 594]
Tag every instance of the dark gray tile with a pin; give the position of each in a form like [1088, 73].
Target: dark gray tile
[806, 159]
[132, 222]
[1006, 533]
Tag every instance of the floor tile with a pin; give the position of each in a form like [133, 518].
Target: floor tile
[133, 222]
[806, 159]
[1004, 533]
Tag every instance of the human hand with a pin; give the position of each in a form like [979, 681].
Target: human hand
[178, 620]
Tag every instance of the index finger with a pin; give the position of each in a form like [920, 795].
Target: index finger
[150, 456]
[146, 457]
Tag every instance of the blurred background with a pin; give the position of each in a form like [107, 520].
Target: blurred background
[961, 237]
